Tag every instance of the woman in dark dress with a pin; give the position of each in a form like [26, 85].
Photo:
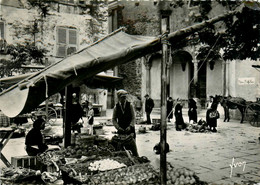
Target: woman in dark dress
[179, 122]
[76, 114]
[211, 117]
[192, 112]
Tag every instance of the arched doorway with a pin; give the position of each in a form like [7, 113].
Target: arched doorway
[201, 90]
[181, 73]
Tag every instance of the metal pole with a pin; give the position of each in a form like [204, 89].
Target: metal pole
[164, 61]
[67, 117]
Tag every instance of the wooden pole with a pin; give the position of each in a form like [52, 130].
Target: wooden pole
[163, 165]
[67, 117]
[47, 109]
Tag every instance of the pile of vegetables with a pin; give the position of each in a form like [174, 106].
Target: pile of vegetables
[16, 174]
[176, 176]
[201, 126]
[50, 177]
[50, 157]
[136, 174]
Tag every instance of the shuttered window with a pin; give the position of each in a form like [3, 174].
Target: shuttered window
[2, 29]
[66, 41]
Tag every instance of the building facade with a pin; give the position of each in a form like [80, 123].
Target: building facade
[62, 28]
[188, 76]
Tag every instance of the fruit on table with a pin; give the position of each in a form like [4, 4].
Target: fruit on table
[131, 175]
[181, 176]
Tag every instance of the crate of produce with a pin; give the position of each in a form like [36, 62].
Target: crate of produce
[26, 161]
[101, 141]
[19, 175]
[156, 120]
[84, 139]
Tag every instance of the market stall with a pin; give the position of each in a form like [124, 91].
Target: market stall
[84, 64]
[93, 160]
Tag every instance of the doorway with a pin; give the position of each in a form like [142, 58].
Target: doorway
[202, 86]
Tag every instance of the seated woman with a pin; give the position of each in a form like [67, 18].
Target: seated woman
[34, 139]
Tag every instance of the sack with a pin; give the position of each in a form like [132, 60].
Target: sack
[157, 148]
[214, 114]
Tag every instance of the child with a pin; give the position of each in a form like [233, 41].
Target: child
[90, 118]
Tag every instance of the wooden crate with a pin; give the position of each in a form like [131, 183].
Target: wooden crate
[26, 162]
[156, 120]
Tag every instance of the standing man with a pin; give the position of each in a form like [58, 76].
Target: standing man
[149, 104]
[124, 121]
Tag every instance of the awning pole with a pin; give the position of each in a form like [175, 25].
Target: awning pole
[68, 103]
[46, 109]
[163, 166]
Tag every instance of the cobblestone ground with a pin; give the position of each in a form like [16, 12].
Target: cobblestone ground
[211, 155]
[208, 154]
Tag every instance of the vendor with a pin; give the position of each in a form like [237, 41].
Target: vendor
[124, 120]
[34, 139]
[90, 118]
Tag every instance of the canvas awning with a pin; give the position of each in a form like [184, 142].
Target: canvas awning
[115, 49]
[96, 80]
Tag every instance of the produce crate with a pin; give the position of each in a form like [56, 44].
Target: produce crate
[26, 161]
[101, 141]
[156, 120]
[85, 139]
[99, 131]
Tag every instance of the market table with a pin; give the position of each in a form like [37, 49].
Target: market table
[6, 134]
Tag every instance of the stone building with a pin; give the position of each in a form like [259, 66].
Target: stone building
[62, 28]
[188, 76]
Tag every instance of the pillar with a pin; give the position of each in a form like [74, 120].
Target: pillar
[195, 77]
[148, 66]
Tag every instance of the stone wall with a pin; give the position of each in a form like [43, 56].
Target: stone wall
[19, 24]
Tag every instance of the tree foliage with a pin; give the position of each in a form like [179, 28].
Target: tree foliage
[21, 54]
[239, 40]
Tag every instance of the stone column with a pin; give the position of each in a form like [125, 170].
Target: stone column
[195, 77]
[148, 66]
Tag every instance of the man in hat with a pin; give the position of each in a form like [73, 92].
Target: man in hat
[149, 104]
[124, 120]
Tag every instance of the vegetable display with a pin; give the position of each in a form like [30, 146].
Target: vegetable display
[136, 174]
[17, 174]
[176, 176]
[104, 165]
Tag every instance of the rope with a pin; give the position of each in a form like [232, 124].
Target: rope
[46, 84]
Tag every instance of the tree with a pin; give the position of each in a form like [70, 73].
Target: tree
[20, 54]
[239, 38]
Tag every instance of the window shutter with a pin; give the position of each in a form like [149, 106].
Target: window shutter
[61, 51]
[61, 36]
[2, 30]
[72, 37]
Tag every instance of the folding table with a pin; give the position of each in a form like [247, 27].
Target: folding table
[6, 134]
